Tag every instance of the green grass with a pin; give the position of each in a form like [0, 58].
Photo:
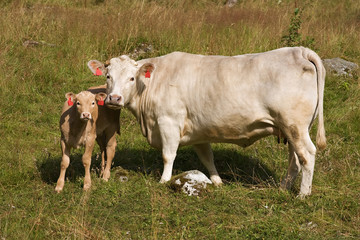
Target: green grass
[34, 80]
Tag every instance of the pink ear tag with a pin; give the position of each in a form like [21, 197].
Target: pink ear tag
[147, 74]
[70, 103]
[101, 102]
[98, 72]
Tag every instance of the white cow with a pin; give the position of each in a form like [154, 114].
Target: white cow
[184, 99]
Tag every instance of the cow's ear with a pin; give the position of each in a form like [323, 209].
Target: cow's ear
[146, 70]
[97, 67]
[100, 98]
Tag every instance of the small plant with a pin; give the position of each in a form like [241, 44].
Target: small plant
[294, 38]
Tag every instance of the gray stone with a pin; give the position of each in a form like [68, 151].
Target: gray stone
[230, 3]
[141, 50]
[191, 182]
[121, 174]
[340, 67]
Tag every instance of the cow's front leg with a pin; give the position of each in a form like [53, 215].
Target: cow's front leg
[170, 137]
[206, 156]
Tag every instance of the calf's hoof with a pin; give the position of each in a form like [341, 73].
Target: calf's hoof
[87, 186]
[59, 186]
[58, 189]
[106, 176]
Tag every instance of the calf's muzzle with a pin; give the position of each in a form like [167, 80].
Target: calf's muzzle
[85, 116]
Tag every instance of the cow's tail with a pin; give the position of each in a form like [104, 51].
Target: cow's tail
[321, 72]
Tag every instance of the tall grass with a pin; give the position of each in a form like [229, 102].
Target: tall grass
[33, 81]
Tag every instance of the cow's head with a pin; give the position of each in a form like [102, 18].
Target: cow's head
[125, 79]
[85, 103]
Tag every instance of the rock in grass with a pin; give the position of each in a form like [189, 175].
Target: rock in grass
[32, 43]
[191, 182]
[340, 67]
[121, 174]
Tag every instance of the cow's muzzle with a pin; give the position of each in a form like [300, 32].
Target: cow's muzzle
[114, 101]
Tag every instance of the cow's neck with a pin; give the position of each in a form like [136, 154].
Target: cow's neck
[135, 106]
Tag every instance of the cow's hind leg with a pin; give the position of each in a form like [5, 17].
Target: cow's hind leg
[206, 156]
[293, 169]
[305, 151]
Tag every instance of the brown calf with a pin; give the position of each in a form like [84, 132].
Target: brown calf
[84, 118]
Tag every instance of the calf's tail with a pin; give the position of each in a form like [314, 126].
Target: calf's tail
[321, 72]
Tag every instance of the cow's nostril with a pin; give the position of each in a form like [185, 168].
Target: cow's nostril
[115, 98]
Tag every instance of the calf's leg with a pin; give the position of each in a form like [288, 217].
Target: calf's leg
[100, 139]
[86, 159]
[110, 153]
[206, 156]
[65, 161]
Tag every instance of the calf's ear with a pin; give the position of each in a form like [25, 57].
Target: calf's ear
[70, 95]
[71, 98]
[97, 67]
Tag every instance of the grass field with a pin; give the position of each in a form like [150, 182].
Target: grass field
[34, 80]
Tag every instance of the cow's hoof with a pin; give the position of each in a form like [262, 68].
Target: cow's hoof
[162, 181]
[302, 196]
[216, 180]
[285, 184]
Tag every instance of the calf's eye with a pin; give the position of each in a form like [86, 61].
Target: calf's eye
[78, 103]
[132, 79]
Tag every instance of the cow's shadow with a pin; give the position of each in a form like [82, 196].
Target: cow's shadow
[231, 165]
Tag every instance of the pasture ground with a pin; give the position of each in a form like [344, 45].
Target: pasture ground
[34, 80]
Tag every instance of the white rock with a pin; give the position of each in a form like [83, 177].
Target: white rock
[190, 182]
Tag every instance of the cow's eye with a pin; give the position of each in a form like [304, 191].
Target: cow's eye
[93, 103]
[132, 79]
[78, 103]
[108, 76]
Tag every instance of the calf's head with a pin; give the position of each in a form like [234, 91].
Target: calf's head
[85, 103]
[125, 79]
